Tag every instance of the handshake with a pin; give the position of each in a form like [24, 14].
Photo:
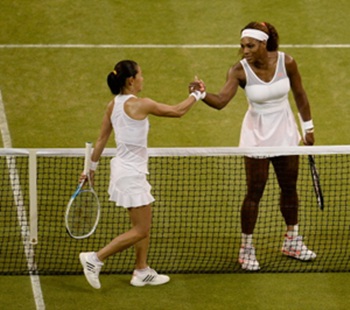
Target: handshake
[197, 89]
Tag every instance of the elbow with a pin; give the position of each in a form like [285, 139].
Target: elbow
[217, 104]
[222, 103]
[219, 107]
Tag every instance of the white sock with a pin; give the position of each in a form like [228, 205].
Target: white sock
[95, 259]
[293, 233]
[247, 240]
[143, 271]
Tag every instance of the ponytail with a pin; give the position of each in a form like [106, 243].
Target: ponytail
[273, 41]
[116, 79]
[114, 83]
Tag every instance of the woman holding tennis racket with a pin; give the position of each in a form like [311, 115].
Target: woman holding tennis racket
[267, 75]
[127, 115]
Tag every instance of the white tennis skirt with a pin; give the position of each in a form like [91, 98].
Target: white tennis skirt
[128, 187]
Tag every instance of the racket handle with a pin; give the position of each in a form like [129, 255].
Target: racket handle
[88, 147]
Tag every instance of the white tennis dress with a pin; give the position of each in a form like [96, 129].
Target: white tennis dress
[269, 120]
[128, 183]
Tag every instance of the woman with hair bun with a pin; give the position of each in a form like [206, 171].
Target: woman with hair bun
[127, 115]
[267, 75]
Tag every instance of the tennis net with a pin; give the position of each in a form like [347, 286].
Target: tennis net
[196, 216]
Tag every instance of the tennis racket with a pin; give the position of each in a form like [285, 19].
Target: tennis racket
[314, 174]
[83, 209]
[316, 182]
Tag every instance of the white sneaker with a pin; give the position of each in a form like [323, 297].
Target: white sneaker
[247, 258]
[148, 278]
[91, 269]
[296, 248]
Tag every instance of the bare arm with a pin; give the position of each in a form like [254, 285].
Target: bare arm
[299, 95]
[105, 132]
[139, 108]
[234, 78]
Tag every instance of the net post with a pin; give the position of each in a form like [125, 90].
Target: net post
[33, 206]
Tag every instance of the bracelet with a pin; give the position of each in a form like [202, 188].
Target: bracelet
[93, 165]
[308, 125]
[196, 94]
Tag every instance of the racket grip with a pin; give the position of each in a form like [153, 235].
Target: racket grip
[87, 163]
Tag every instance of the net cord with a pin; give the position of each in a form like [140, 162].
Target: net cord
[199, 151]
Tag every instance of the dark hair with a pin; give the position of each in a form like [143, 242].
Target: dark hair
[272, 42]
[117, 78]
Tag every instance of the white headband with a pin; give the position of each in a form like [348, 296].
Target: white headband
[255, 34]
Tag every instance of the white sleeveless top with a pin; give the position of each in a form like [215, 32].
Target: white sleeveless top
[130, 136]
[269, 120]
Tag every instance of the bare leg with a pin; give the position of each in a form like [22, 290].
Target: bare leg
[256, 174]
[138, 235]
[141, 247]
[286, 168]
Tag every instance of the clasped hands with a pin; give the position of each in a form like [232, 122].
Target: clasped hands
[197, 89]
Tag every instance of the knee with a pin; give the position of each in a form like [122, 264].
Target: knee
[250, 204]
[253, 198]
[142, 232]
[290, 206]
[289, 193]
[288, 186]
[254, 193]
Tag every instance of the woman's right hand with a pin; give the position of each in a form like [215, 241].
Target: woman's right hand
[197, 85]
[309, 138]
[83, 177]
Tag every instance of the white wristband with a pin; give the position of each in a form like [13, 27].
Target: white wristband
[203, 94]
[93, 165]
[196, 94]
[308, 125]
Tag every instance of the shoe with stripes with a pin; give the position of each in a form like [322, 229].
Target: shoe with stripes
[91, 269]
[148, 277]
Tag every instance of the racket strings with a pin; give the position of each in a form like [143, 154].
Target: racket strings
[83, 213]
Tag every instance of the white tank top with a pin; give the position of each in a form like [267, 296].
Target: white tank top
[130, 136]
[269, 120]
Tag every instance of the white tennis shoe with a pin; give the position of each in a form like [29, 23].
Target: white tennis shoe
[91, 269]
[247, 258]
[295, 247]
[150, 277]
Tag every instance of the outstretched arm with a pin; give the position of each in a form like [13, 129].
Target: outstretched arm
[218, 101]
[139, 108]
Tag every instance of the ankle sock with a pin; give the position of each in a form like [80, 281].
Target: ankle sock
[247, 240]
[293, 233]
